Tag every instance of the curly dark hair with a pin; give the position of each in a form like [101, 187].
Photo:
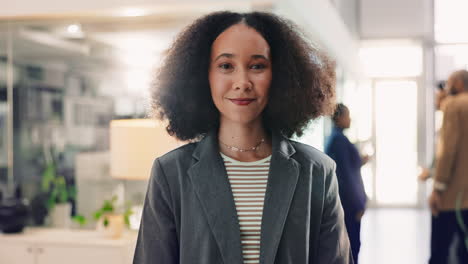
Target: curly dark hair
[302, 86]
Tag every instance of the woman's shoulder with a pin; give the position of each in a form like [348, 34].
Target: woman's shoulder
[312, 155]
[177, 155]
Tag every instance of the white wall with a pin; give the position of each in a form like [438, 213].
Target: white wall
[322, 21]
[395, 18]
[348, 10]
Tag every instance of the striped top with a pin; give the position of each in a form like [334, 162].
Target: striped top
[248, 183]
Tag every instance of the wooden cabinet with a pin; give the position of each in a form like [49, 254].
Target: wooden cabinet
[56, 246]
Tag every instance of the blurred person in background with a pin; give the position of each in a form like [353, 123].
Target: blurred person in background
[448, 198]
[348, 170]
[428, 173]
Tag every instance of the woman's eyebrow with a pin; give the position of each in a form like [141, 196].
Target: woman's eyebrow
[229, 55]
[258, 56]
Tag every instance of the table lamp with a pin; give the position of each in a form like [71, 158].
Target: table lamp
[134, 145]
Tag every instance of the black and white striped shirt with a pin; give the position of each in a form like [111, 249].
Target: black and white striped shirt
[248, 183]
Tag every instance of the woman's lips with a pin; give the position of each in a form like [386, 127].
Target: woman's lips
[242, 101]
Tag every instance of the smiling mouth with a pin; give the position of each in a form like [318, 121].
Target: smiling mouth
[242, 101]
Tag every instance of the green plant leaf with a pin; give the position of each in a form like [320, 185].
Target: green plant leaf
[127, 218]
[61, 187]
[60, 180]
[80, 219]
[47, 177]
[72, 192]
[52, 200]
[105, 222]
[50, 203]
[97, 214]
[128, 212]
[108, 206]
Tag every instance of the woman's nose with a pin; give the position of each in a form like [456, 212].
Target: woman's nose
[242, 81]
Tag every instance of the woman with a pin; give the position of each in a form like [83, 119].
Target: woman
[348, 169]
[239, 85]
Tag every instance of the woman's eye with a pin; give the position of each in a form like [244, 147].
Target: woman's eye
[225, 66]
[258, 66]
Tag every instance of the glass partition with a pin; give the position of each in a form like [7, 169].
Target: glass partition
[71, 78]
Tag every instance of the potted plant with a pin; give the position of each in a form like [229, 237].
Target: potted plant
[58, 194]
[112, 218]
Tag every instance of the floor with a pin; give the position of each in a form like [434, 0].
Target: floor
[392, 236]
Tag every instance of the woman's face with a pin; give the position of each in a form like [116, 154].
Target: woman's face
[240, 74]
[344, 120]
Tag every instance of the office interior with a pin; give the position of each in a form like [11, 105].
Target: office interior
[67, 69]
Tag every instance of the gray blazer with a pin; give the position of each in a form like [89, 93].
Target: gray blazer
[189, 216]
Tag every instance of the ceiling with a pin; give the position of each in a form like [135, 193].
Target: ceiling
[99, 42]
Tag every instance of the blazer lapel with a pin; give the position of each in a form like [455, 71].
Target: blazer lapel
[212, 187]
[282, 180]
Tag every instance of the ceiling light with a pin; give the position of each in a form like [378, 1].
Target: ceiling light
[74, 29]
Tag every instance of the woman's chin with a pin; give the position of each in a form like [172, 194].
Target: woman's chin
[243, 120]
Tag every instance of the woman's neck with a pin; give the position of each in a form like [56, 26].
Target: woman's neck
[339, 128]
[244, 136]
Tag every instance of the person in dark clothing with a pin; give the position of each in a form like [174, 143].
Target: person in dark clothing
[348, 170]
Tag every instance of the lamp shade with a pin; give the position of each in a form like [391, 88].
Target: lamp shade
[134, 144]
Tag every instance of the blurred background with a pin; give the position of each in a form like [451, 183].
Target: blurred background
[67, 68]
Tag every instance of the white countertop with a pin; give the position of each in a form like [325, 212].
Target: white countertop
[83, 237]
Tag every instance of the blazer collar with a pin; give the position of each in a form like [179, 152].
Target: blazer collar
[213, 189]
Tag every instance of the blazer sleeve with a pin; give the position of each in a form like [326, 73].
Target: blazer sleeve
[334, 245]
[450, 137]
[157, 241]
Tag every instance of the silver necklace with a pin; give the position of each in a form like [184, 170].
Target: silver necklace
[243, 150]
